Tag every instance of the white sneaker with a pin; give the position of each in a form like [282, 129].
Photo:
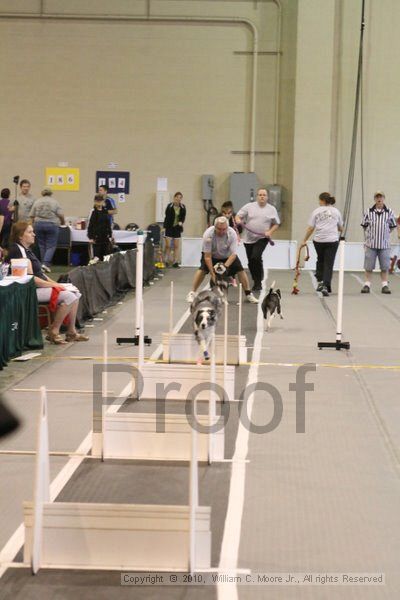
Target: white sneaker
[252, 299]
[190, 297]
[46, 269]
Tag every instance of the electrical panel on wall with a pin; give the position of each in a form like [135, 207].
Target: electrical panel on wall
[207, 187]
[243, 189]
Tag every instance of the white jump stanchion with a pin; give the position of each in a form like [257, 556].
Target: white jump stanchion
[212, 403]
[41, 492]
[138, 292]
[225, 345]
[171, 318]
[339, 315]
[338, 344]
[104, 389]
[171, 308]
[100, 406]
[139, 282]
[141, 339]
[193, 493]
[240, 319]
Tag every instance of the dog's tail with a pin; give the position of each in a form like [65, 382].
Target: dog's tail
[271, 289]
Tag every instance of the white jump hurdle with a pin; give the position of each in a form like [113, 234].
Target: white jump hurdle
[177, 382]
[113, 536]
[134, 436]
[128, 435]
[182, 347]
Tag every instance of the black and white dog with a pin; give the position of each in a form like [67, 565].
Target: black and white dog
[205, 310]
[271, 305]
[220, 287]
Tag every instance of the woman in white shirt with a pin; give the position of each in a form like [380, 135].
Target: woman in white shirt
[325, 223]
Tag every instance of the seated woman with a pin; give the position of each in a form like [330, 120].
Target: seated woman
[21, 238]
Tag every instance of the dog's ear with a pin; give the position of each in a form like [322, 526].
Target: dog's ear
[212, 315]
[278, 293]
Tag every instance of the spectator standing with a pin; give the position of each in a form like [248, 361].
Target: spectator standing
[220, 245]
[25, 202]
[7, 217]
[227, 211]
[99, 228]
[175, 215]
[325, 223]
[378, 223]
[260, 220]
[47, 215]
[109, 203]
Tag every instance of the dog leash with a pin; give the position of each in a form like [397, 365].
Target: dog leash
[269, 240]
[297, 272]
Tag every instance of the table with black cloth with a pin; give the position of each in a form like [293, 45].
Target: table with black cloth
[19, 324]
[104, 283]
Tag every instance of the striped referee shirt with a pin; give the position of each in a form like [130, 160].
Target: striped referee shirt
[378, 225]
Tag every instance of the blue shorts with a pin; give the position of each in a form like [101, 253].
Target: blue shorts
[382, 254]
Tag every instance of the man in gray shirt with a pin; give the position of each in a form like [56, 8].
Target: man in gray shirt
[220, 245]
[25, 202]
[259, 220]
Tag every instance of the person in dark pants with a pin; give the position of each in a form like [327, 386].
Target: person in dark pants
[175, 215]
[46, 214]
[325, 223]
[99, 228]
[259, 220]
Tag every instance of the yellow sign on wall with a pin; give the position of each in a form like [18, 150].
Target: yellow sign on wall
[62, 178]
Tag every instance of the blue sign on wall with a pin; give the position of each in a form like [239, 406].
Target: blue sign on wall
[116, 181]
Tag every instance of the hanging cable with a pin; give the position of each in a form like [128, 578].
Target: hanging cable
[350, 178]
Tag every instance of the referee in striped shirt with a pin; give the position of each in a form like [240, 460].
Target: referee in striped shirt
[378, 222]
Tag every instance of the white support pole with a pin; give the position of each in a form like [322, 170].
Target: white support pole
[141, 339]
[104, 390]
[339, 316]
[212, 402]
[104, 381]
[193, 493]
[225, 342]
[239, 320]
[41, 492]
[171, 309]
[139, 280]
[171, 319]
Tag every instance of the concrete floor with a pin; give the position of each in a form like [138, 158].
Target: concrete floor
[323, 501]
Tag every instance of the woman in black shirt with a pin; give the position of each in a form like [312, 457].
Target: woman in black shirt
[99, 228]
[175, 215]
